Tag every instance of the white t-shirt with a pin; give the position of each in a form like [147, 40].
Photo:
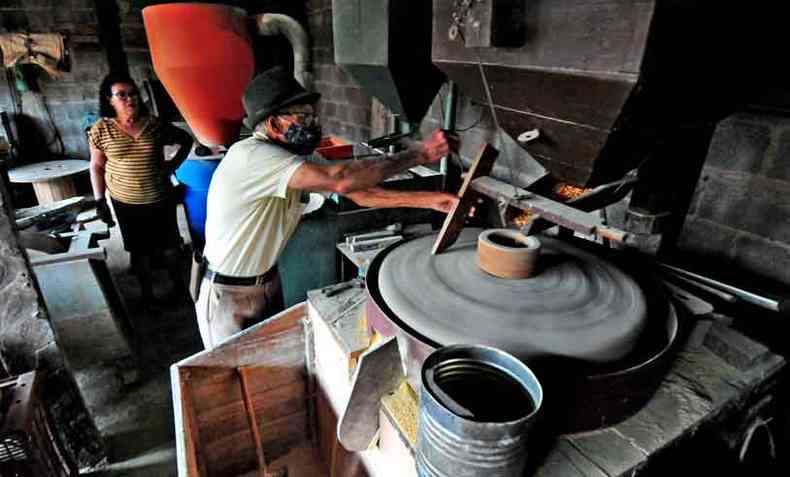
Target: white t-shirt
[251, 213]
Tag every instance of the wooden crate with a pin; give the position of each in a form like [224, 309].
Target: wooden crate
[213, 410]
[29, 446]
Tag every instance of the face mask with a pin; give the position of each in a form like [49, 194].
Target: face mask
[292, 135]
[303, 139]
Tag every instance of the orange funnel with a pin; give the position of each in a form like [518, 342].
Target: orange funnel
[202, 55]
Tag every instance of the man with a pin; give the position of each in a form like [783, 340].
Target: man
[254, 200]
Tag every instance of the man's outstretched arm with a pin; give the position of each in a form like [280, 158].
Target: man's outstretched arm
[357, 175]
[385, 198]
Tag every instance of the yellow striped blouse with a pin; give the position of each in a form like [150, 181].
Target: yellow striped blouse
[134, 171]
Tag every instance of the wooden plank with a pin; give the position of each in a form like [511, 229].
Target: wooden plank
[555, 212]
[253, 422]
[234, 453]
[276, 340]
[340, 461]
[31, 215]
[217, 421]
[454, 222]
[213, 386]
[303, 460]
[190, 458]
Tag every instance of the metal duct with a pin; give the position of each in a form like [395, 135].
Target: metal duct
[386, 47]
[270, 24]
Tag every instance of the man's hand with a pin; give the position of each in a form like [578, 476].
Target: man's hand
[104, 213]
[438, 145]
[440, 201]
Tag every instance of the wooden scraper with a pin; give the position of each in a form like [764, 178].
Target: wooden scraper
[454, 222]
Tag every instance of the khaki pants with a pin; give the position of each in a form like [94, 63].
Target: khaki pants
[224, 310]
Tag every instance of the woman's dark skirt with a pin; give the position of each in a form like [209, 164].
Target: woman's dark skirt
[147, 228]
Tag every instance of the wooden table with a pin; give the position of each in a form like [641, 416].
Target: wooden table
[52, 180]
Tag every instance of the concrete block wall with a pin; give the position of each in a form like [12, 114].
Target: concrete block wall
[68, 98]
[741, 206]
[75, 94]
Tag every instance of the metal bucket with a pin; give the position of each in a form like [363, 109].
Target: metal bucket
[476, 407]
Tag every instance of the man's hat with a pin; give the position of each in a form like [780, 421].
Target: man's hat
[272, 90]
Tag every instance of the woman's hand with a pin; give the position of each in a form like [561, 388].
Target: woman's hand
[104, 213]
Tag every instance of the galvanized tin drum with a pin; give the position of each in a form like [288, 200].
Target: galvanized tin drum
[476, 408]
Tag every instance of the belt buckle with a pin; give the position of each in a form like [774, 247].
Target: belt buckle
[259, 280]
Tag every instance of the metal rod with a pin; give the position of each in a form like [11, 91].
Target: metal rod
[727, 297]
[774, 304]
[97, 253]
[450, 104]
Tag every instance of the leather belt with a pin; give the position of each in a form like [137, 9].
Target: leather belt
[258, 280]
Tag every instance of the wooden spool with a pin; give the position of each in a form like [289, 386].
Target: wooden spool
[507, 253]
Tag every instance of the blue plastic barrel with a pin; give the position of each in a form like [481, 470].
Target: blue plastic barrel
[195, 175]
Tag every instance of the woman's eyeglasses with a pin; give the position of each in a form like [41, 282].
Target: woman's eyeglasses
[126, 94]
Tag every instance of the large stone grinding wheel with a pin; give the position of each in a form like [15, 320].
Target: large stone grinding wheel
[577, 305]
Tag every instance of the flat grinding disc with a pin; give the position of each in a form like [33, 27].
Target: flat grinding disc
[577, 305]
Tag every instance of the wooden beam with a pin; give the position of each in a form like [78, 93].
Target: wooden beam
[555, 212]
[253, 421]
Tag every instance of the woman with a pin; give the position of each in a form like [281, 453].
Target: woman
[128, 164]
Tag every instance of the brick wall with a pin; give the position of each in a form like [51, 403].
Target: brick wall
[741, 206]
